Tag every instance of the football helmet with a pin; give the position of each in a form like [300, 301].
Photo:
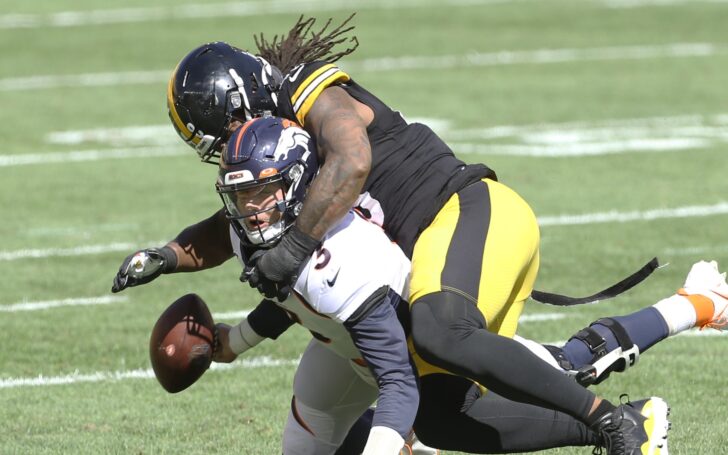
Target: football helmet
[265, 170]
[213, 84]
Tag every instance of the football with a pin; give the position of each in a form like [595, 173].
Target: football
[182, 343]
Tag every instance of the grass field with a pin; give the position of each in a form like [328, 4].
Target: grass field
[610, 117]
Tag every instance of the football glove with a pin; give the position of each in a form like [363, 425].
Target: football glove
[269, 289]
[143, 267]
[272, 272]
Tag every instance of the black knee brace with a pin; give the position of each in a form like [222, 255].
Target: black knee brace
[605, 362]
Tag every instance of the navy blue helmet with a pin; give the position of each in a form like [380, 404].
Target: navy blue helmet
[265, 170]
[214, 84]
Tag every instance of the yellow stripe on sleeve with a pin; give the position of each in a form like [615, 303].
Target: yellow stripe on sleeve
[311, 88]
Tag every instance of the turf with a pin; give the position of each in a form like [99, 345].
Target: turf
[61, 220]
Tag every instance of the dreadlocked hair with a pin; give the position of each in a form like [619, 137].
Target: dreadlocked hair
[294, 49]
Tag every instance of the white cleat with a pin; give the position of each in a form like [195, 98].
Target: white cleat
[706, 284]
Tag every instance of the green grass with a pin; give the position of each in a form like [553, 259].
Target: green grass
[142, 202]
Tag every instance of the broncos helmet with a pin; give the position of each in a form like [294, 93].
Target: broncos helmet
[212, 85]
[263, 156]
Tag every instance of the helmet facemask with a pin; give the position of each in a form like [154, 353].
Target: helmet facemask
[265, 170]
[263, 210]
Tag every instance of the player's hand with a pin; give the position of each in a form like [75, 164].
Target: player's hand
[269, 289]
[274, 270]
[143, 267]
[222, 352]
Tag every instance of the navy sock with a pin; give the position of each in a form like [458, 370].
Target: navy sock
[645, 327]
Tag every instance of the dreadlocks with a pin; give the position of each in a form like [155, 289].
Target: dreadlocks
[286, 53]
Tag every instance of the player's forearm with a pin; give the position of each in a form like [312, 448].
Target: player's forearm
[203, 245]
[330, 197]
[381, 341]
[342, 140]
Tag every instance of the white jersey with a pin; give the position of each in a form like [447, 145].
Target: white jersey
[356, 258]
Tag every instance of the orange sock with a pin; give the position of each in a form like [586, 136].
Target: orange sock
[704, 308]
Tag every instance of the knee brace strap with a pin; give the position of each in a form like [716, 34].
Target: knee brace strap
[604, 362]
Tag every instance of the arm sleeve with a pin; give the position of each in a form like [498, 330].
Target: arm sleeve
[269, 320]
[381, 340]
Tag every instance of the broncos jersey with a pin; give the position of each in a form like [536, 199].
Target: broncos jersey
[355, 260]
[413, 171]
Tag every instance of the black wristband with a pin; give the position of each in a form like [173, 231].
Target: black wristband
[170, 259]
[300, 244]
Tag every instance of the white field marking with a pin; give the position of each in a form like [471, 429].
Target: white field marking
[107, 376]
[542, 317]
[129, 135]
[720, 208]
[583, 149]
[163, 134]
[474, 59]
[538, 56]
[614, 216]
[217, 10]
[678, 125]
[46, 304]
[63, 252]
[77, 231]
[658, 134]
[231, 315]
[703, 333]
[643, 3]
[689, 251]
[24, 159]
[546, 140]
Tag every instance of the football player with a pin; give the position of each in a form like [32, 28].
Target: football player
[269, 158]
[473, 241]
[264, 174]
[359, 352]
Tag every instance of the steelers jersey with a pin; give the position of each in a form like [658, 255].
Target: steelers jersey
[413, 172]
[355, 260]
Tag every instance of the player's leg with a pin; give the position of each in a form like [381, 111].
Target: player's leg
[614, 344]
[472, 269]
[329, 397]
[455, 415]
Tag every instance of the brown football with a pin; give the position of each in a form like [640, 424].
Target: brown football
[182, 342]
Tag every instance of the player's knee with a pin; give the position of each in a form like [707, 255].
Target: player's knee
[439, 320]
[427, 338]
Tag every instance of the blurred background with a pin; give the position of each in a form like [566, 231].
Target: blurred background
[609, 116]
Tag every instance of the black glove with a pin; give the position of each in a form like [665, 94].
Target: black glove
[268, 288]
[144, 266]
[272, 271]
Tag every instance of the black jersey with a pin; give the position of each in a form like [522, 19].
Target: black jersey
[413, 171]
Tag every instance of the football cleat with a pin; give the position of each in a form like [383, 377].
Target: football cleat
[635, 428]
[705, 283]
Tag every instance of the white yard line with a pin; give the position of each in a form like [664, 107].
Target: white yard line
[689, 251]
[24, 159]
[217, 10]
[654, 145]
[614, 216]
[652, 3]
[63, 252]
[536, 317]
[474, 59]
[720, 208]
[46, 304]
[107, 376]
[538, 57]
